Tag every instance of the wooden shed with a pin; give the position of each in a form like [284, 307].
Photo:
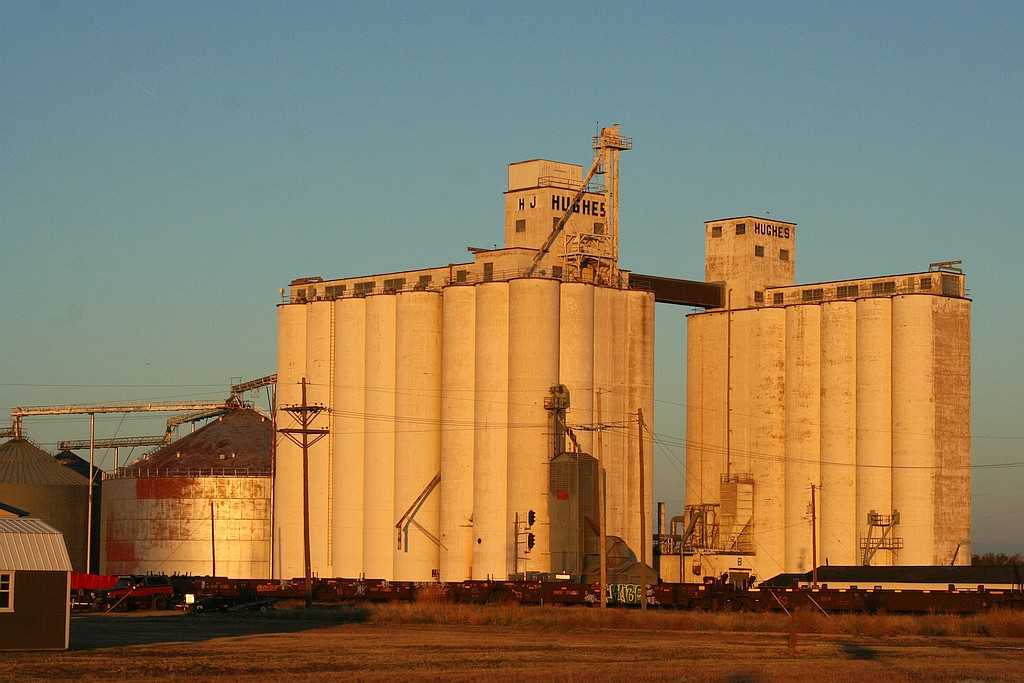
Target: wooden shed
[35, 584]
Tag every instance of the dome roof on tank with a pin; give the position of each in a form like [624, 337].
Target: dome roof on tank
[239, 439]
[22, 462]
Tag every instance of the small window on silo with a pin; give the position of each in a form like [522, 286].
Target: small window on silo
[816, 294]
[461, 275]
[779, 299]
[847, 291]
[880, 288]
[556, 271]
[741, 228]
[758, 297]
[758, 250]
[393, 285]
[424, 281]
[783, 254]
[521, 225]
[926, 284]
[598, 228]
[488, 271]
[950, 285]
[716, 231]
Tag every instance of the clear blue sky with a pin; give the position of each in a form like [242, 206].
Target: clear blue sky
[165, 167]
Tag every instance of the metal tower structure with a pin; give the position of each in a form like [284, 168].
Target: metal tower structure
[593, 256]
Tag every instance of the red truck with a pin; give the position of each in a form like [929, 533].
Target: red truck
[135, 592]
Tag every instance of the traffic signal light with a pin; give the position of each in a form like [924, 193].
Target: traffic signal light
[530, 541]
[531, 517]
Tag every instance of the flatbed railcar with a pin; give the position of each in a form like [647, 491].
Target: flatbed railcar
[223, 593]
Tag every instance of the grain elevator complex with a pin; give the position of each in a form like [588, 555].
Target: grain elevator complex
[826, 423]
[462, 401]
[459, 413]
[493, 419]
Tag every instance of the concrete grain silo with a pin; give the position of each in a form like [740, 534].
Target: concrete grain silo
[379, 520]
[491, 431]
[458, 405]
[838, 499]
[803, 429]
[843, 406]
[444, 390]
[348, 437]
[418, 324]
[32, 480]
[200, 505]
[874, 407]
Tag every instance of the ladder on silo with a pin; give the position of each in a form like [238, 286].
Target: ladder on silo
[870, 545]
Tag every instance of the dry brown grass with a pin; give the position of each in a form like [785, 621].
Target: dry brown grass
[995, 624]
[452, 642]
[998, 623]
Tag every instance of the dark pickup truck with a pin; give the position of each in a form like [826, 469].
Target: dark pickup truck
[135, 592]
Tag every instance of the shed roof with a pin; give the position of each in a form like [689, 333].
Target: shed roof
[27, 543]
[11, 511]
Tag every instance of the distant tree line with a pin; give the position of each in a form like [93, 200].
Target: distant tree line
[996, 559]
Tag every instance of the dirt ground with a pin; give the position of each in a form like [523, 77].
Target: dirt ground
[173, 646]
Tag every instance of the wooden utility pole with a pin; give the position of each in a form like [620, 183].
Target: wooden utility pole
[515, 555]
[305, 414]
[601, 538]
[643, 513]
[213, 543]
[728, 385]
[92, 484]
[814, 542]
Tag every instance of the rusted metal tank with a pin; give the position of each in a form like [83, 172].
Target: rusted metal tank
[200, 505]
